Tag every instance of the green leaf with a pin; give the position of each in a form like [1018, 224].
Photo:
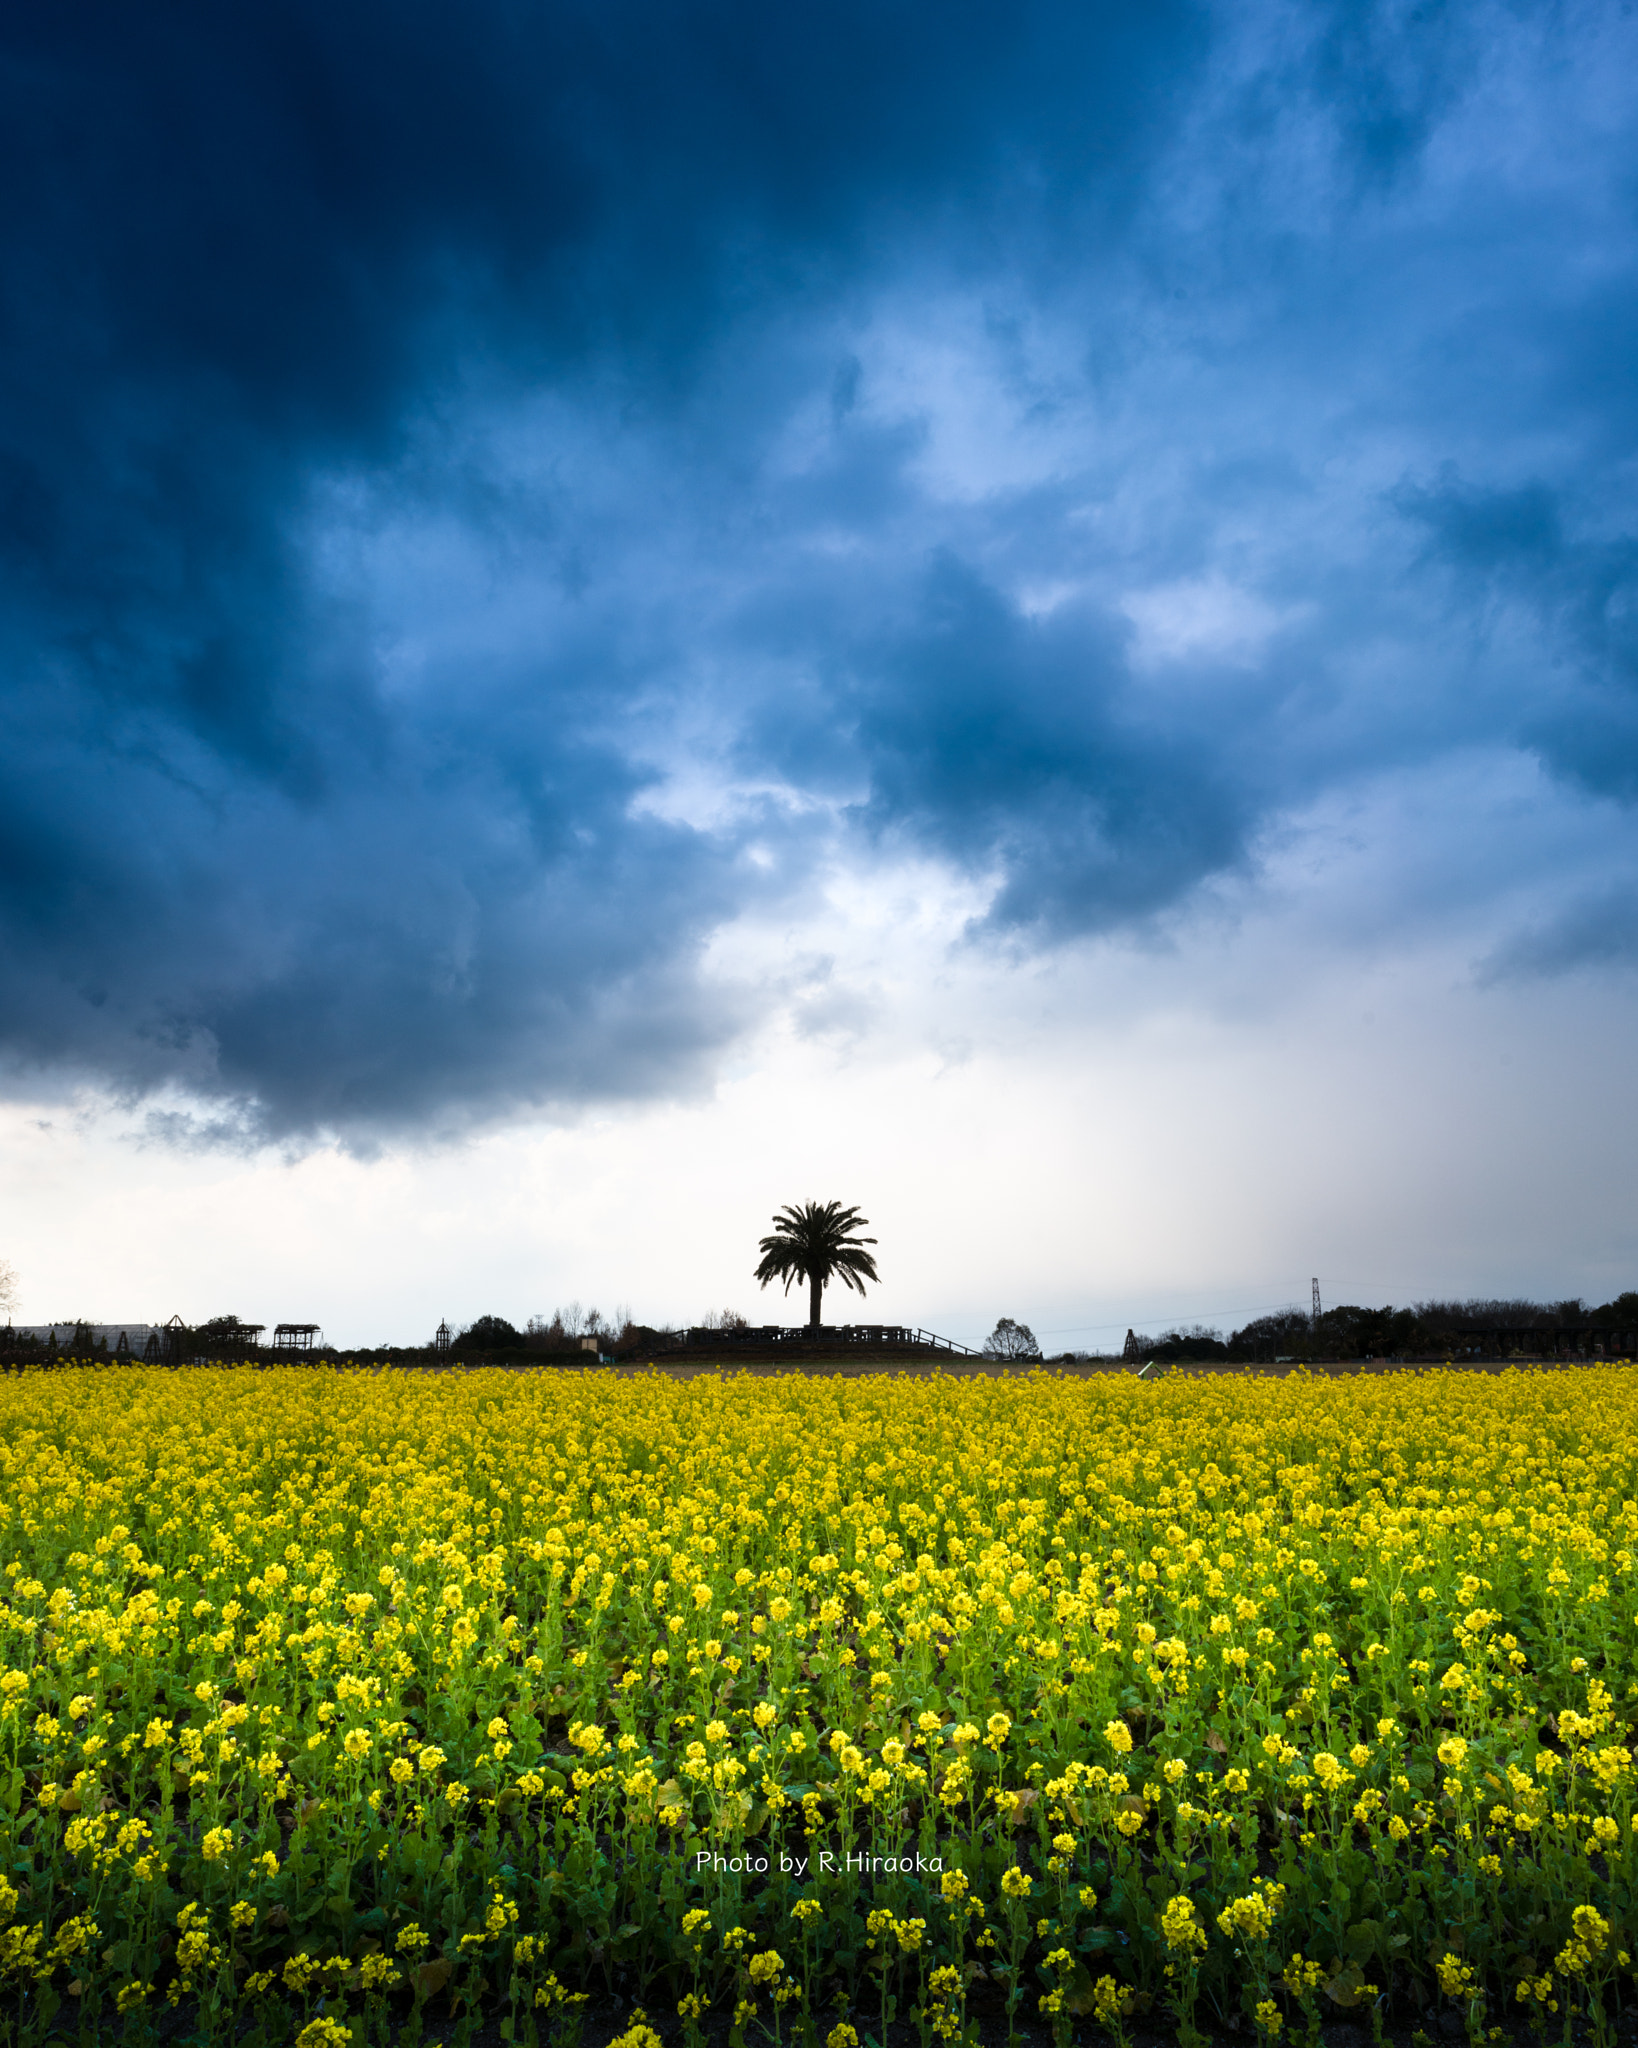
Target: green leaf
[1363, 1939]
[431, 1978]
[1079, 1995]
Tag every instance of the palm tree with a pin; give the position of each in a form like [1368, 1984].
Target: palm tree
[816, 1243]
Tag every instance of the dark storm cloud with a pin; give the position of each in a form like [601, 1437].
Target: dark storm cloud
[242, 249]
[1046, 437]
[1581, 593]
[1000, 738]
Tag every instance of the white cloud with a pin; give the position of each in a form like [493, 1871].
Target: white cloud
[1203, 616]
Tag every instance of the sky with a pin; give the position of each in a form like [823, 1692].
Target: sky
[616, 615]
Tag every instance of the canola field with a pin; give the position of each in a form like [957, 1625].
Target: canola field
[362, 1706]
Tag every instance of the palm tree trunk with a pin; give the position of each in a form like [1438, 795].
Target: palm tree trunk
[816, 1288]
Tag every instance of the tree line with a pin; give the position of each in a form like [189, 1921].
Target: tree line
[1427, 1329]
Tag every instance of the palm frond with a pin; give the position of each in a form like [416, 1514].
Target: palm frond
[817, 1241]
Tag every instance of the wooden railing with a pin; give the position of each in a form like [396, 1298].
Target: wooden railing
[833, 1336]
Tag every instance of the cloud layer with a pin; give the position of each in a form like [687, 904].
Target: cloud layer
[484, 507]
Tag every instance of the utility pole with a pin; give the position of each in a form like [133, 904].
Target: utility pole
[1316, 1309]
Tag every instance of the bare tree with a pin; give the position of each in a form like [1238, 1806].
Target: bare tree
[1011, 1340]
[8, 1286]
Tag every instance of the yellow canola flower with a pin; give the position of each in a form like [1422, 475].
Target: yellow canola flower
[461, 1618]
[1181, 1931]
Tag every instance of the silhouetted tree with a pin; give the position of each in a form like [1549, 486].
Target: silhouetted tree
[1011, 1340]
[1288, 1333]
[1194, 1340]
[491, 1333]
[816, 1243]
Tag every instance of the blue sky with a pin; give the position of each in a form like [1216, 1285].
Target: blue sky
[630, 608]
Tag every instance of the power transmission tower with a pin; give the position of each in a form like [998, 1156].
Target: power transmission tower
[1316, 1302]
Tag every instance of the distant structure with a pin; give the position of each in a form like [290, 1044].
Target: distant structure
[1316, 1309]
[1132, 1348]
[228, 1332]
[294, 1336]
[442, 1338]
[773, 1339]
[119, 1340]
